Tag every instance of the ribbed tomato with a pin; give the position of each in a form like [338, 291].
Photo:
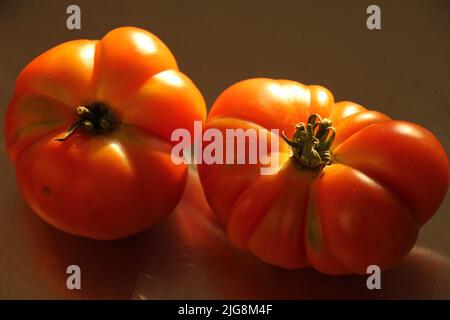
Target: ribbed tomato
[352, 189]
[88, 131]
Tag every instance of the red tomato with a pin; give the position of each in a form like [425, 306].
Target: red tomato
[339, 205]
[122, 97]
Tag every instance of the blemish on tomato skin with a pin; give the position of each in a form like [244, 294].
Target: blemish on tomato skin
[46, 190]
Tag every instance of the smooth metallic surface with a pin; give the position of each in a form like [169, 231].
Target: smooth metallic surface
[401, 70]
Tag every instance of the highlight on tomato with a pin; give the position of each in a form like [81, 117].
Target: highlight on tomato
[352, 189]
[88, 131]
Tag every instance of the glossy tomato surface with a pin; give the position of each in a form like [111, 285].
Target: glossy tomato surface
[386, 178]
[117, 183]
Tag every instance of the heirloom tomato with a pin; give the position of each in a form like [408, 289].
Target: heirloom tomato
[352, 187]
[88, 130]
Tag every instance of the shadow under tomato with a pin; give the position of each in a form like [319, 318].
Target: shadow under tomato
[108, 268]
[115, 269]
[188, 256]
[209, 267]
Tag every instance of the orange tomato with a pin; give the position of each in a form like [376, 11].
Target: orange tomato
[338, 201]
[120, 98]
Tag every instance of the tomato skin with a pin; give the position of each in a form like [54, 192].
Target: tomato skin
[110, 185]
[385, 180]
[363, 222]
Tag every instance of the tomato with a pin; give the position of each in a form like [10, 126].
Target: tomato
[88, 130]
[352, 187]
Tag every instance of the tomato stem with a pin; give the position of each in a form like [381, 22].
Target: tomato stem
[95, 118]
[311, 142]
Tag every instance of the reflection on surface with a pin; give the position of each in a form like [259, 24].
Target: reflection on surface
[188, 257]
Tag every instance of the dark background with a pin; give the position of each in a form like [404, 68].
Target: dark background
[402, 70]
